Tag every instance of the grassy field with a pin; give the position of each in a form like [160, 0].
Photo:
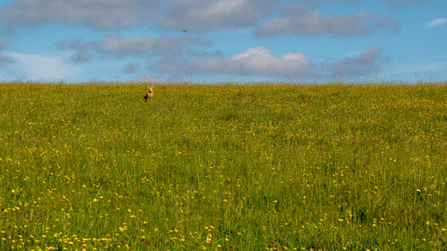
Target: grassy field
[223, 167]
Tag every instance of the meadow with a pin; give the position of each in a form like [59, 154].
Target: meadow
[223, 167]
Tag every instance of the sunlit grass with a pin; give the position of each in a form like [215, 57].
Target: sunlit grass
[226, 167]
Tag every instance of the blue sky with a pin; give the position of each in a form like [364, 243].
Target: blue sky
[223, 40]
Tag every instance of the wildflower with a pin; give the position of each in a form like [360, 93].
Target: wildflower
[209, 238]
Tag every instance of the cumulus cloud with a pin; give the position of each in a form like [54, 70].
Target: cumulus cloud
[314, 23]
[42, 67]
[121, 46]
[260, 61]
[135, 45]
[99, 14]
[254, 61]
[366, 63]
[4, 60]
[4, 43]
[194, 15]
[211, 15]
[82, 52]
[436, 22]
[296, 7]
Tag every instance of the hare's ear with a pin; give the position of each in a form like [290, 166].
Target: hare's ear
[149, 87]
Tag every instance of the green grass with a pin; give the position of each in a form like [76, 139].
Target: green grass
[223, 167]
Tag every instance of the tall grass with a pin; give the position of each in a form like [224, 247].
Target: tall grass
[223, 167]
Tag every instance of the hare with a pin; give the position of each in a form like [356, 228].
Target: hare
[149, 94]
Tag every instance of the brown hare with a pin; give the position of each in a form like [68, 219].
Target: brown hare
[149, 94]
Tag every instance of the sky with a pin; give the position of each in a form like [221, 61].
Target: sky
[213, 41]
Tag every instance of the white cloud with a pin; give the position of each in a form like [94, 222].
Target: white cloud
[367, 62]
[211, 15]
[254, 61]
[314, 23]
[436, 22]
[99, 14]
[196, 15]
[5, 60]
[122, 46]
[4, 43]
[41, 67]
[136, 45]
[260, 62]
